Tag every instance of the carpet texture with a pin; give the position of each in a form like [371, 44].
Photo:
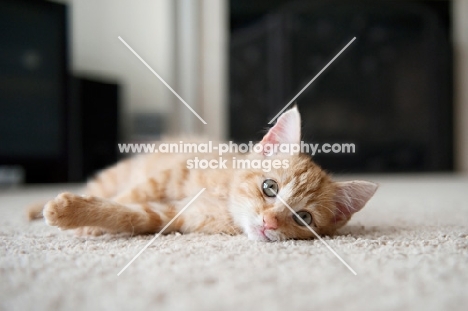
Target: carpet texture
[409, 247]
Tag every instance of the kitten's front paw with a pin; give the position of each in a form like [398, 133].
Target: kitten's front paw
[58, 212]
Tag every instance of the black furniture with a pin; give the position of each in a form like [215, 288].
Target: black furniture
[53, 128]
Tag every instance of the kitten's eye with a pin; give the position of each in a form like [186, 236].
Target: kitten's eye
[306, 216]
[270, 187]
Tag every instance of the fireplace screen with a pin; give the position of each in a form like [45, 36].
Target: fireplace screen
[389, 93]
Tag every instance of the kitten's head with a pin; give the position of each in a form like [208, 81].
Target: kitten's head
[261, 202]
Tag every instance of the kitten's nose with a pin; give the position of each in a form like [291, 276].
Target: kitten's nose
[270, 222]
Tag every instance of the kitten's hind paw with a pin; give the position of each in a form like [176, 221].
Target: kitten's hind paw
[59, 211]
[90, 231]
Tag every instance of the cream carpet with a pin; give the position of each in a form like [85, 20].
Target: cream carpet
[409, 247]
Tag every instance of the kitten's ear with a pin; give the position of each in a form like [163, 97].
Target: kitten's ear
[351, 196]
[287, 129]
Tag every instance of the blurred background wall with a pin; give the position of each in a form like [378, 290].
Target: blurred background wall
[460, 40]
[174, 38]
[147, 26]
[192, 45]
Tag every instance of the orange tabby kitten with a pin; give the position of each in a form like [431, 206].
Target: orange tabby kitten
[144, 193]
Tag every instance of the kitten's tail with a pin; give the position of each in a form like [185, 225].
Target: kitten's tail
[34, 211]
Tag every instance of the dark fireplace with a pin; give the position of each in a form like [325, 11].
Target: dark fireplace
[389, 93]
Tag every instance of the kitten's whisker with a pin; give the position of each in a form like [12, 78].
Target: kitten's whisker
[316, 234]
[325, 207]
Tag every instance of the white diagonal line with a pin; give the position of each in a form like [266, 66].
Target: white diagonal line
[316, 76]
[160, 232]
[316, 235]
[164, 82]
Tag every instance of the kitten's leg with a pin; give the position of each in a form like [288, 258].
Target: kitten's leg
[206, 214]
[69, 211]
[148, 191]
[138, 200]
[89, 230]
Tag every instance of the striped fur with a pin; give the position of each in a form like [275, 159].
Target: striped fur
[142, 194]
